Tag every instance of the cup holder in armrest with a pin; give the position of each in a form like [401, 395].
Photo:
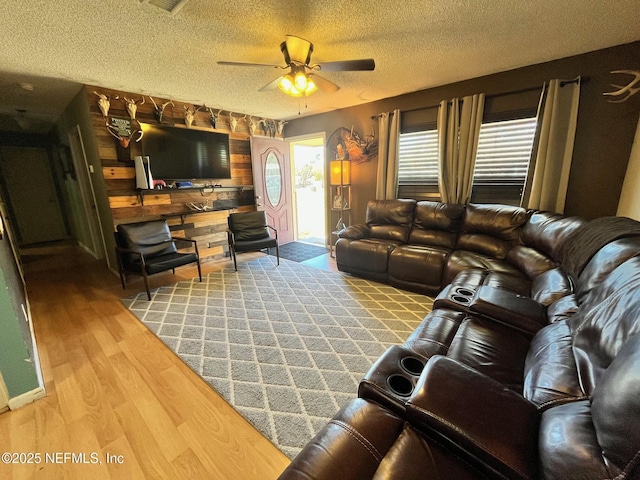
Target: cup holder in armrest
[455, 297]
[465, 291]
[392, 379]
[400, 385]
[412, 365]
[461, 299]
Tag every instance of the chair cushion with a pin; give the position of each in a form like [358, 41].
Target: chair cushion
[255, 244]
[149, 238]
[248, 226]
[169, 261]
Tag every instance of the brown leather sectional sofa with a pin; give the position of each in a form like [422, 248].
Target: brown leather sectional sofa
[528, 365]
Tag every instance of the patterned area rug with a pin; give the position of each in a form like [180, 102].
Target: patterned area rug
[299, 251]
[285, 346]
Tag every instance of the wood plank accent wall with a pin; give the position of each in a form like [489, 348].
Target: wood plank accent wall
[128, 205]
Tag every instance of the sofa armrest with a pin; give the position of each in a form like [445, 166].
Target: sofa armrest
[355, 232]
[516, 310]
[492, 426]
[504, 306]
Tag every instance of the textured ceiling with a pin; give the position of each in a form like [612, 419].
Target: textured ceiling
[417, 44]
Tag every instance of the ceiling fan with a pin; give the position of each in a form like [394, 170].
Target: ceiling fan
[302, 78]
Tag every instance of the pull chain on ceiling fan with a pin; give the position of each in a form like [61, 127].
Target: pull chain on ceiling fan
[302, 79]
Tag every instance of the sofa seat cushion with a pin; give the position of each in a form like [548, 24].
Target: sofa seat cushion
[496, 350]
[417, 264]
[461, 260]
[550, 373]
[350, 446]
[366, 441]
[435, 333]
[369, 254]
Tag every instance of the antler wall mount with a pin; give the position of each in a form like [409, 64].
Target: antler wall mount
[624, 92]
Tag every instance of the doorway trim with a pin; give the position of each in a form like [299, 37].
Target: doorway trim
[298, 139]
[85, 184]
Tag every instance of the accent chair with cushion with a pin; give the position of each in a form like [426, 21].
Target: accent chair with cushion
[145, 248]
[249, 232]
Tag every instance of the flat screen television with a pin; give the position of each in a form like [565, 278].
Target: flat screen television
[186, 154]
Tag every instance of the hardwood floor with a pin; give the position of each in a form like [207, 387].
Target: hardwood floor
[114, 389]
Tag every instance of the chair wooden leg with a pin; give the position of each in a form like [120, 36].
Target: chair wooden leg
[278, 253]
[199, 269]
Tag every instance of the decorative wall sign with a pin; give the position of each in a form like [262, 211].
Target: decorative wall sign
[121, 130]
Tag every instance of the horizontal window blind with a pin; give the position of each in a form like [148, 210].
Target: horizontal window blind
[504, 151]
[418, 158]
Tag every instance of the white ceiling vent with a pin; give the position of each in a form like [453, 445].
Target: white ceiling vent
[171, 6]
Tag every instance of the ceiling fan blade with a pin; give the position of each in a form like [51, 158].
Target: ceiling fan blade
[271, 85]
[244, 64]
[324, 84]
[298, 49]
[348, 65]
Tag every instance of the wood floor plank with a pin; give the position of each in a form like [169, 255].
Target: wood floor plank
[113, 387]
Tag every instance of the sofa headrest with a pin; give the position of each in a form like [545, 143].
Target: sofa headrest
[545, 231]
[580, 247]
[604, 262]
[605, 321]
[615, 407]
[390, 219]
[500, 221]
[436, 224]
[390, 212]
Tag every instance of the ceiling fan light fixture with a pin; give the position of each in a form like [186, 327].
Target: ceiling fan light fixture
[286, 83]
[311, 87]
[300, 81]
[297, 84]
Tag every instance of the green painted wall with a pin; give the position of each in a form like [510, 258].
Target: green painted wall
[16, 364]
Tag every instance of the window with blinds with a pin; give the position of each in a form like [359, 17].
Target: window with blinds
[418, 165]
[502, 162]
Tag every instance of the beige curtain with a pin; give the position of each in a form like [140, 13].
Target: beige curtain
[553, 150]
[388, 141]
[459, 123]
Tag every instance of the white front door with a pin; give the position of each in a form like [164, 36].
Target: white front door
[272, 184]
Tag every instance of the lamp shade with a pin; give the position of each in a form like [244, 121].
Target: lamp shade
[340, 172]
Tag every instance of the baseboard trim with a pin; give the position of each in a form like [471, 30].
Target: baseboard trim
[26, 398]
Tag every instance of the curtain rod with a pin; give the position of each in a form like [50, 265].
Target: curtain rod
[578, 79]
